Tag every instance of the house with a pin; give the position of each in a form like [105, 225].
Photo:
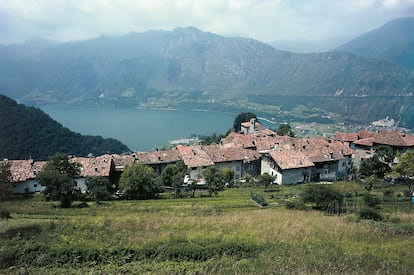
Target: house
[195, 158]
[261, 141]
[287, 166]
[253, 127]
[298, 160]
[158, 160]
[239, 160]
[366, 142]
[23, 174]
[93, 166]
[399, 141]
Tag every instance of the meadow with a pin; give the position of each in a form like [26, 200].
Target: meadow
[225, 234]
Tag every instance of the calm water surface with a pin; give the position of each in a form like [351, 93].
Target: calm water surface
[140, 130]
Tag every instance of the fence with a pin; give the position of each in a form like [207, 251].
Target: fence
[338, 208]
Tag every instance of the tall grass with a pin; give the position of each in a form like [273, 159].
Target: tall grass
[222, 235]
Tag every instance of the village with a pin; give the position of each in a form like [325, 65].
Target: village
[255, 150]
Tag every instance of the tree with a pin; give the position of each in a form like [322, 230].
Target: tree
[5, 181]
[173, 176]
[321, 196]
[213, 139]
[242, 117]
[285, 130]
[98, 186]
[139, 182]
[215, 180]
[58, 176]
[228, 176]
[379, 164]
[266, 179]
[405, 167]
[385, 154]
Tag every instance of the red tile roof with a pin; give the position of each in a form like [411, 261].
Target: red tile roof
[120, 161]
[218, 153]
[290, 159]
[365, 134]
[99, 166]
[194, 156]
[382, 137]
[346, 136]
[158, 157]
[368, 142]
[245, 124]
[393, 138]
[21, 170]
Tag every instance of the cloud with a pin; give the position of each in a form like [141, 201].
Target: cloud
[266, 20]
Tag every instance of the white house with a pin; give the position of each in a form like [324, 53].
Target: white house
[23, 174]
[94, 166]
[287, 166]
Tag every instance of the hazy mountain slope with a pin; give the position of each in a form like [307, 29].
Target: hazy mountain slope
[187, 67]
[28, 132]
[393, 42]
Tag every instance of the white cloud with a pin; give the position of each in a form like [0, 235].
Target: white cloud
[266, 20]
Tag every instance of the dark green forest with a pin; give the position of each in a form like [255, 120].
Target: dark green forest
[28, 132]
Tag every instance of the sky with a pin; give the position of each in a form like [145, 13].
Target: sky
[264, 20]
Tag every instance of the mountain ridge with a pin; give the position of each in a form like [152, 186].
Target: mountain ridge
[391, 42]
[187, 66]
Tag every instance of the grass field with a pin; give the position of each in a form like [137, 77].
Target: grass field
[226, 234]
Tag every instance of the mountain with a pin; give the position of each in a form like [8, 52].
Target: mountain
[188, 68]
[28, 132]
[309, 46]
[393, 42]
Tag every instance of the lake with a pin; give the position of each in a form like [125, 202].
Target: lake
[140, 129]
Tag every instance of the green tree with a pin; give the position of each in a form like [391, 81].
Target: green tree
[247, 179]
[98, 186]
[242, 117]
[139, 182]
[321, 196]
[285, 130]
[173, 176]
[5, 181]
[215, 180]
[379, 164]
[405, 166]
[228, 176]
[213, 139]
[58, 176]
[385, 154]
[266, 179]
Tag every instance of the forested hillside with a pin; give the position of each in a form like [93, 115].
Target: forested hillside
[27, 132]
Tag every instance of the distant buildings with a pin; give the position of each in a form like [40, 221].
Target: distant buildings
[255, 150]
[364, 142]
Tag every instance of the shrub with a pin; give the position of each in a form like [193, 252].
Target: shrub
[369, 213]
[297, 204]
[321, 196]
[4, 214]
[258, 199]
[371, 201]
